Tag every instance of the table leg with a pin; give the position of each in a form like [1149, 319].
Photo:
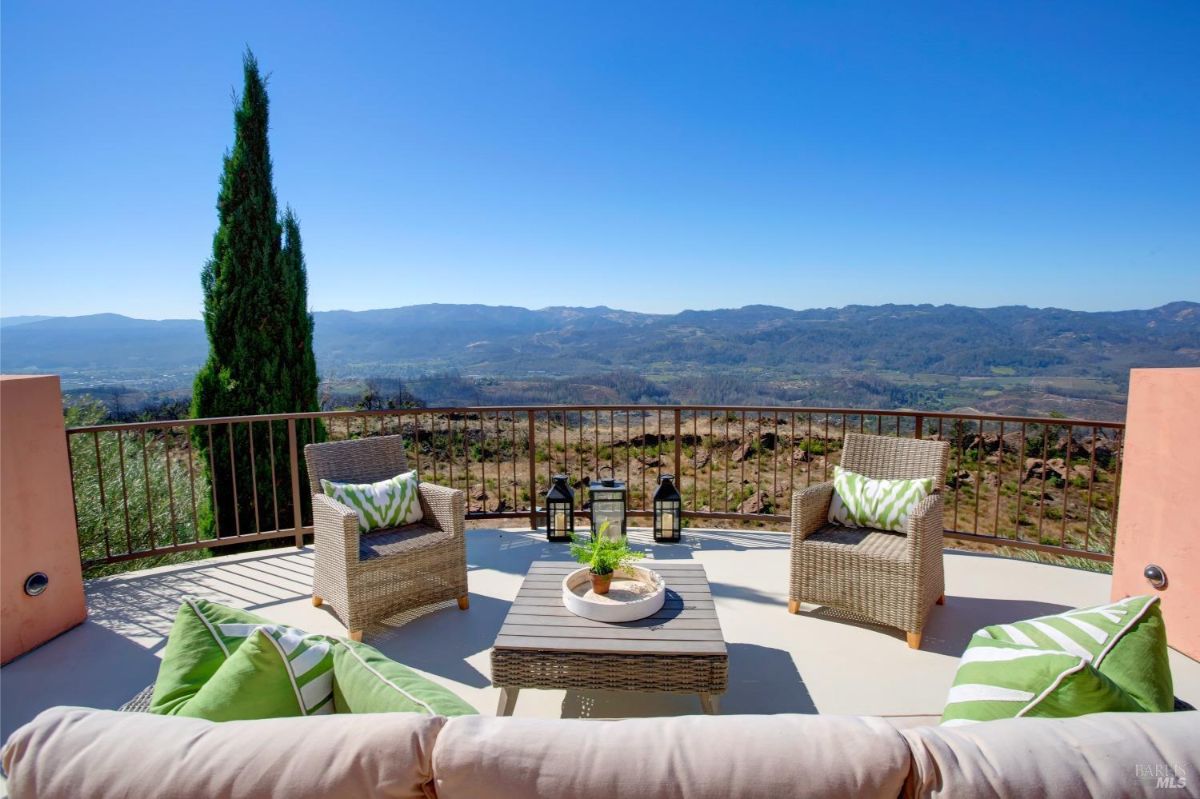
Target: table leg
[710, 703]
[508, 701]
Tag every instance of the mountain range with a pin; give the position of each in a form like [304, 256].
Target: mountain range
[762, 343]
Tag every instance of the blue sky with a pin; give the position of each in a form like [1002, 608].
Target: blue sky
[650, 156]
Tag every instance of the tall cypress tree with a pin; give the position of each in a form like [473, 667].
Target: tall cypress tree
[260, 356]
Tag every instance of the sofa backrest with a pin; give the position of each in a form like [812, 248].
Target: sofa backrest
[1103, 754]
[79, 753]
[698, 757]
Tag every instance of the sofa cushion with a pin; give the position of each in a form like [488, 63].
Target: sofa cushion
[389, 503]
[1107, 754]
[277, 671]
[699, 757]
[861, 501]
[367, 681]
[68, 753]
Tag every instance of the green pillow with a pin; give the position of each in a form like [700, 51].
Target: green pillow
[366, 681]
[277, 671]
[389, 503]
[860, 501]
[202, 638]
[203, 663]
[1107, 658]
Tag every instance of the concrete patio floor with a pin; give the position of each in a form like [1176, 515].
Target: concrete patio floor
[779, 663]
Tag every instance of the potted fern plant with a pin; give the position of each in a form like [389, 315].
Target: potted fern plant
[603, 556]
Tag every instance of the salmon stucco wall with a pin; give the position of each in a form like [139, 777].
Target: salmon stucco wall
[1159, 521]
[37, 517]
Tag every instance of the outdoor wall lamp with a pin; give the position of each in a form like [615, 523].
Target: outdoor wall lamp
[1155, 575]
[36, 583]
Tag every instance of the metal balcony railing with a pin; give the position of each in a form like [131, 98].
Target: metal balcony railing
[154, 488]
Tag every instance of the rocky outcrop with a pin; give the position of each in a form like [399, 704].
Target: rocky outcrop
[759, 502]
[1038, 469]
[960, 478]
[763, 442]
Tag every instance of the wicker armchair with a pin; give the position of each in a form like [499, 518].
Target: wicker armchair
[873, 575]
[368, 577]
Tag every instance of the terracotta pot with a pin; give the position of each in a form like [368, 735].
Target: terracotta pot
[601, 582]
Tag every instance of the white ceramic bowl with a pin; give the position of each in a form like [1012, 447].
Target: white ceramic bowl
[617, 605]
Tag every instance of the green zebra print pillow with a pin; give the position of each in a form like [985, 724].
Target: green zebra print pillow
[860, 501]
[1107, 658]
[389, 503]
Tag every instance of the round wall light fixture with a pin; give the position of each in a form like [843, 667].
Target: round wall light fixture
[36, 583]
[1155, 575]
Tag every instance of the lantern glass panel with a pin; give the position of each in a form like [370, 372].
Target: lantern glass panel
[608, 505]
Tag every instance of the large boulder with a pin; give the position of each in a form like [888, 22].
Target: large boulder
[759, 502]
[1038, 469]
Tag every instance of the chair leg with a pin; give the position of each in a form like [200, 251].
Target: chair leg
[356, 635]
[317, 601]
[464, 602]
[793, 606]
[942, 599]
[914, 640]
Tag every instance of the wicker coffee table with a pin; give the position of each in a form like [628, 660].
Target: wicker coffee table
[679, 650]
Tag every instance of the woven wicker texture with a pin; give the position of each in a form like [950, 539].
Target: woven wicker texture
[680, 649]
[886, 578]
[680, 674]
[141, 702]
[367, 578]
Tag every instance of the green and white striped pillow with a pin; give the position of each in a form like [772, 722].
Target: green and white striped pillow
[389, 503]
[860, 501]
[277, 671]
[1107, 658]
[223, 663]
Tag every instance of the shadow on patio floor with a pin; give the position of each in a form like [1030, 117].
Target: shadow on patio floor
[89, 666]
[512, 551]
[949, 627]
[761, 680]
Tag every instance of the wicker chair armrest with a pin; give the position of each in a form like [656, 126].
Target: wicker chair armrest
[925, 527]
[335, 526]
[445, 507]
[810, 509]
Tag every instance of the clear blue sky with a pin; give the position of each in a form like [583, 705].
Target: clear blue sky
[651, 156]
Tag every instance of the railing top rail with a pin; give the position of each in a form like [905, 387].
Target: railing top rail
[768, 409]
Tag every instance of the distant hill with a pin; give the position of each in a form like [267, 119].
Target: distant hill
[102, 344]
[9, 321]
[901, 343]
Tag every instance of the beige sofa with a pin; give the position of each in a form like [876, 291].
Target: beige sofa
[81, 753]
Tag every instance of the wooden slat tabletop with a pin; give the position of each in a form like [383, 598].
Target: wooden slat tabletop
[686, 625]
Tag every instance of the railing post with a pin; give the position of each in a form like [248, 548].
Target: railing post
[294, 457]
[530, 416]
[678, 450]
[919, 432]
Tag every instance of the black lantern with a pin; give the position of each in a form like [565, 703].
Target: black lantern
[668, 510]
[608, 505]
[560, 509]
